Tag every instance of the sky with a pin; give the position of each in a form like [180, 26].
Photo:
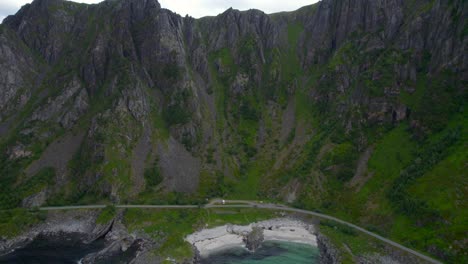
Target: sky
[194, 8]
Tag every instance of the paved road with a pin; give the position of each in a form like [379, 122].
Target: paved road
[252, 204]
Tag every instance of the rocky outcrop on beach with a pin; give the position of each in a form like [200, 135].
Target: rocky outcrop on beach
[254, 239]
[82, 225]
[208, 241]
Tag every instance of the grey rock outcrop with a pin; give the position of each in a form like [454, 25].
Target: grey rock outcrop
[66, 108]
[35, 200]
[19, 151]
[79, 107]
[56, 223]
[83, 226]
[254, 238]
[119, 241]
[328, 253]
[135, 101]
[17, 74]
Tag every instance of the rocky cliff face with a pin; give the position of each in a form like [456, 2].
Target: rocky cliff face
[19, 70]
[127, 101]
[328, 253]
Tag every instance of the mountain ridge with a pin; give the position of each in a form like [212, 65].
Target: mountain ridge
[105, 102]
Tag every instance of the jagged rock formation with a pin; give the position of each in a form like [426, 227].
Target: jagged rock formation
[127, 101]
[253, 240]
[328, 252]
[83, 224]
[84, 228]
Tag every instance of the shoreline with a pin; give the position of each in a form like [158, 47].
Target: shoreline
[212, 240]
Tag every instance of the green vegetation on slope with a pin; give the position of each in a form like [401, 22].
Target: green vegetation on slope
[106, 215]
[349, 242]
[13, 222]
[414, 194]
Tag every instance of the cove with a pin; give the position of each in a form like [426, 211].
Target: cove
[271, 252]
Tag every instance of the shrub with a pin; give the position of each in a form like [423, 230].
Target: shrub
[153, 176]
[340, 227]
[171, 71]
[176, 115]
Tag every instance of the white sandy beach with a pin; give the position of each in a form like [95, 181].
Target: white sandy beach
[208, 241]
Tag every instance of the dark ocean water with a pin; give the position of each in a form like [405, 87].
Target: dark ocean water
[270, 253]
[53, 250]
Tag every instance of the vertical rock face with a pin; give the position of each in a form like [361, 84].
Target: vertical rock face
[43, 25]
[78, 108]
[35, 200]
[56, 106]
[328, 253]
[148, 62]
[334, 21]
[200, 106]
[17, 74]
[231, 26]
[341, 18]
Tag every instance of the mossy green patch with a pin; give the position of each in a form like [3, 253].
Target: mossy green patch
[391, 154]
[349, 242]
[304, 109]
[106, 215]
[290, 64]
[250, 180]
[153, 175]
[43, 179]
[167, 226]
[14, 222]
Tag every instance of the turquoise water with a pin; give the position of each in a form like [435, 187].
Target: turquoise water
[270, 253]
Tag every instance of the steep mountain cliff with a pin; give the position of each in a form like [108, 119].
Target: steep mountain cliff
[356, 108]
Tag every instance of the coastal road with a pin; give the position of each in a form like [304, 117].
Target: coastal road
[252, 204]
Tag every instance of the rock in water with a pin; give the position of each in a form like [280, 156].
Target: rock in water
[254, 239]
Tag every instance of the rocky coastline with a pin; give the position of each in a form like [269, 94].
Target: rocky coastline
[137, 248]
[83, 226]
[329, 254]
